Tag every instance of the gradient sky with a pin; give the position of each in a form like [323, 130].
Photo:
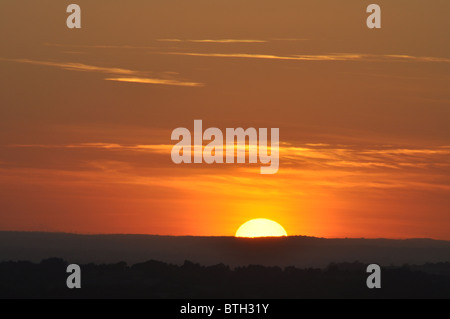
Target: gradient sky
[86, 116]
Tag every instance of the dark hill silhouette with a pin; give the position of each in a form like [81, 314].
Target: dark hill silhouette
[157, 280]
[301, 252]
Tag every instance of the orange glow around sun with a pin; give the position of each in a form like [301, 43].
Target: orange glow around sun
[261, 228]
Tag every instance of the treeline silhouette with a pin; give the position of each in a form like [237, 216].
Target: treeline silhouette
[157, 280]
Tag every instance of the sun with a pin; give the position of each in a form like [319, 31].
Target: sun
[261, 228]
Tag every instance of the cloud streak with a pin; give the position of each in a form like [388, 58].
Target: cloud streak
[319, 57]
[305, 169]
[116, 74]
[215, 41]
[153, 148]
[306, 156]
[333, 169]
[70, 66]
[155, 81]
[131, 47]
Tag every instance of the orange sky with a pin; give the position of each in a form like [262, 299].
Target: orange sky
[86, 116]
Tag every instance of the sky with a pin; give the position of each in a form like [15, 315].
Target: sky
[86, 116]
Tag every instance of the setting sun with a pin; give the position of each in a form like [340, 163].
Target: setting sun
[261, 228]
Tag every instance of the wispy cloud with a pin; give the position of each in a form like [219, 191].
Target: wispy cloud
[153, 148]
[215, 40]
[304, 168]
[289, 39]
[342, 57]
[155, 81]
[80, 46]
[116, 74]
[328, 156]
[71, 66]
[308, 156]
[417, 58]
[319, 57]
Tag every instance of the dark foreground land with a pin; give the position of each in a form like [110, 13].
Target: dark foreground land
[153, 279]
[301, 252]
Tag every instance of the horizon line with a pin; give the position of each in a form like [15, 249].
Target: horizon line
[217, 236]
